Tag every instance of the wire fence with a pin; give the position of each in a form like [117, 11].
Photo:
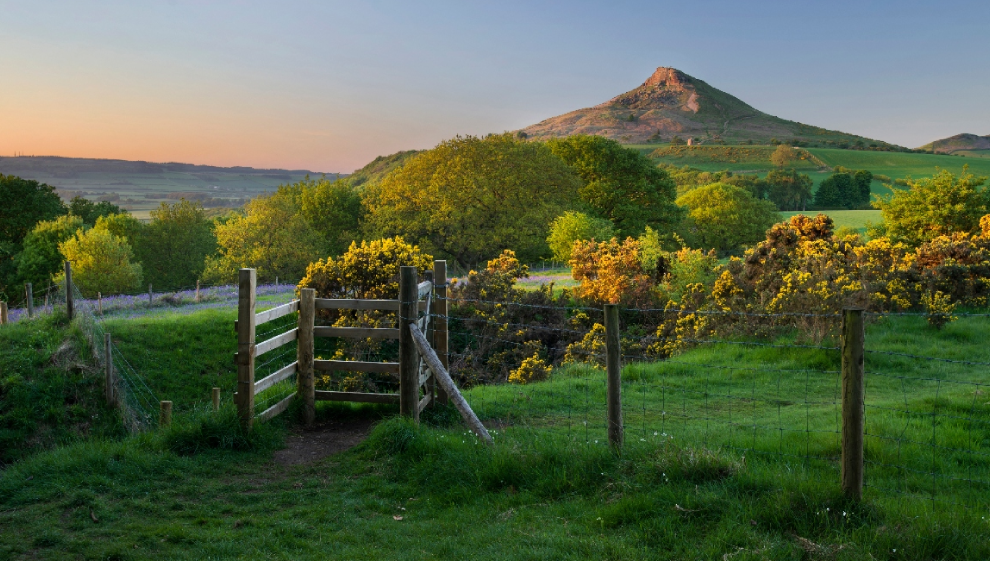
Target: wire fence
[927, 418]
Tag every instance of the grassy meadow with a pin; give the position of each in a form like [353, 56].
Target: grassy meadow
[731, 450]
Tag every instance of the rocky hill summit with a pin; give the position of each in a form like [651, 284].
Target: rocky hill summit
[672, 103]
[957, 143]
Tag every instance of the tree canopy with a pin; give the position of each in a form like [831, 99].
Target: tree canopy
[935, 206]
[575, 226]
[788, 189]
[41, 259]
[23, 203]
[620, 184]
[334, 209]
[725, 217]
[469, 198]
[174, 246]
[844, 190]
[101, 262]
[90, 211]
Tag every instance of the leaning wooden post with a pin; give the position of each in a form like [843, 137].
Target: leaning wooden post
[165, 414]
[216, 399]
[439, 323]
[613, 368]
[305, 384]
[247, 282]
[30, 299]
[69, 308]
[108, 369]
[408, 367]
[3, 313]
[853, 395]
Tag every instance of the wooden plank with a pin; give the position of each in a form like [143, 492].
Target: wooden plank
[440, 336]
[275, 313]
[357, 397]
[424, 376]
[424, 288]
[424, 402]
[277, 408]
[276, 377]
[275, 342]
[355, 304]
[357, 332]
[443, 378]
[356, 366]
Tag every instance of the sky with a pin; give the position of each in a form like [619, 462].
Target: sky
[328, 86]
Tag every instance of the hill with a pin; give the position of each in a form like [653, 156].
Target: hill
[140, 186]
[671, 103]
[380, 167]
[958, 143]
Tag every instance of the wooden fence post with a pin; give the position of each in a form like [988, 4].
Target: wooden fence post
[216, 399]
[431, 384]
[197, 292]
[99, 302]
[151, 298]
[305, 385]
[30, 299]
[247, 282]
[165, 414]
[408, 367]
[439, 323]
[3, 313]
[613, 368]
[853, 395]
[69, 308]
[108, 369]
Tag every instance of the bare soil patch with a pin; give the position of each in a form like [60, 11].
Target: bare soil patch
[324, 439]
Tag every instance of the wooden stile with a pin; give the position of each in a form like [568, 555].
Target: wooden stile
[275, 342]
[275, 313]
[357, 332]
[247, 283]
[356, 366]
[305, 383]
[275, 377]
[853, 396]
[408, 360]
[357, 397]
[277, 408]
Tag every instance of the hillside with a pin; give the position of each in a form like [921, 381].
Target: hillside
[378, 168]
[958, 143]
[671, 103]
[140, 186]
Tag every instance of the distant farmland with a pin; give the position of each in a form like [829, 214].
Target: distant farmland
[142, 186]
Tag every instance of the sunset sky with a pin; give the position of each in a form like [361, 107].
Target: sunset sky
[327, 86]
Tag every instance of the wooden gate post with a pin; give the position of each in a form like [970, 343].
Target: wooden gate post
[613, 367]
[108, 369]
[216, 399]
[30, 299]
[165, 414]
[3, 313]
[247, 283]
[69, 308]
[853, 395]
[439, 323]
[408, 363]
[305, 385]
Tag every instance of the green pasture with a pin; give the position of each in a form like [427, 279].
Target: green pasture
[898, 165]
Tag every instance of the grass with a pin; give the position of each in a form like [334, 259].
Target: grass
[857, 219]
[900, 164]
[560, 276]
[203, 489]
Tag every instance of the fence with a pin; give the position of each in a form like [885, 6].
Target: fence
[861, 417]
[417, 386]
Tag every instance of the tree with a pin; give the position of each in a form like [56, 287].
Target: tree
[90, 211]
[23, 203]
[101, 262]
[783, 155]
[469, 198]
[124, 226]
[369, 270]
[574, 226]
[620, 184]
[334, 209]
[788, 189]
[725, 217]
[271, 237]
[844, 190]
[935, 206]
[40, 260]
[173, 248]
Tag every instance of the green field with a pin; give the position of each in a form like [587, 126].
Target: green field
[731, 452]
[898, 164]
[857, 219]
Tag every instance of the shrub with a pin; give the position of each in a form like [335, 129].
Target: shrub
[610, 271]
[532, 369]
[938, 309]
[724, 217]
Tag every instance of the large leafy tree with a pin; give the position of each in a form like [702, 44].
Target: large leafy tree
[174, 246]
[573, 226]
[90, 211]
[40, 260]
[469, 198]
[101, 262]
[788, 189]
[334, 209]
[620, 184]
[23, 203]
[270, 236]
[844, 190]
[725, 217]
[935, 206]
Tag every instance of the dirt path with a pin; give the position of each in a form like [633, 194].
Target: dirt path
[305, 446]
